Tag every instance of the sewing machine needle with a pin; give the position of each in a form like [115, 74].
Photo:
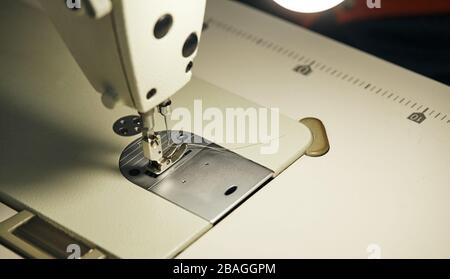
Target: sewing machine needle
[169, 134]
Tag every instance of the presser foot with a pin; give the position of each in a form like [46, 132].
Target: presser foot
[171, 156]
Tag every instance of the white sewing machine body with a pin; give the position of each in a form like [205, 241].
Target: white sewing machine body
[334, 206]
[147, 57]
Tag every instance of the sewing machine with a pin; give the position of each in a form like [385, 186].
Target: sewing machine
[116, 183]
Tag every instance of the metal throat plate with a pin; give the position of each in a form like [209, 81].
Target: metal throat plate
[208, 181]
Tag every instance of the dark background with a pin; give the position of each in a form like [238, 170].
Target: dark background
[418, 43]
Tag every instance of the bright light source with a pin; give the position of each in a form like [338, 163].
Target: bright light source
[308, 6]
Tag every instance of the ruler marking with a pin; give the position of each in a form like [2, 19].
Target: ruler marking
[294, 55]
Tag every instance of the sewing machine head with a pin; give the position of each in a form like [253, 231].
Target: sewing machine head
[138, 53]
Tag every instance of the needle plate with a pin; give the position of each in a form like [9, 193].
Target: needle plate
[208, 181]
